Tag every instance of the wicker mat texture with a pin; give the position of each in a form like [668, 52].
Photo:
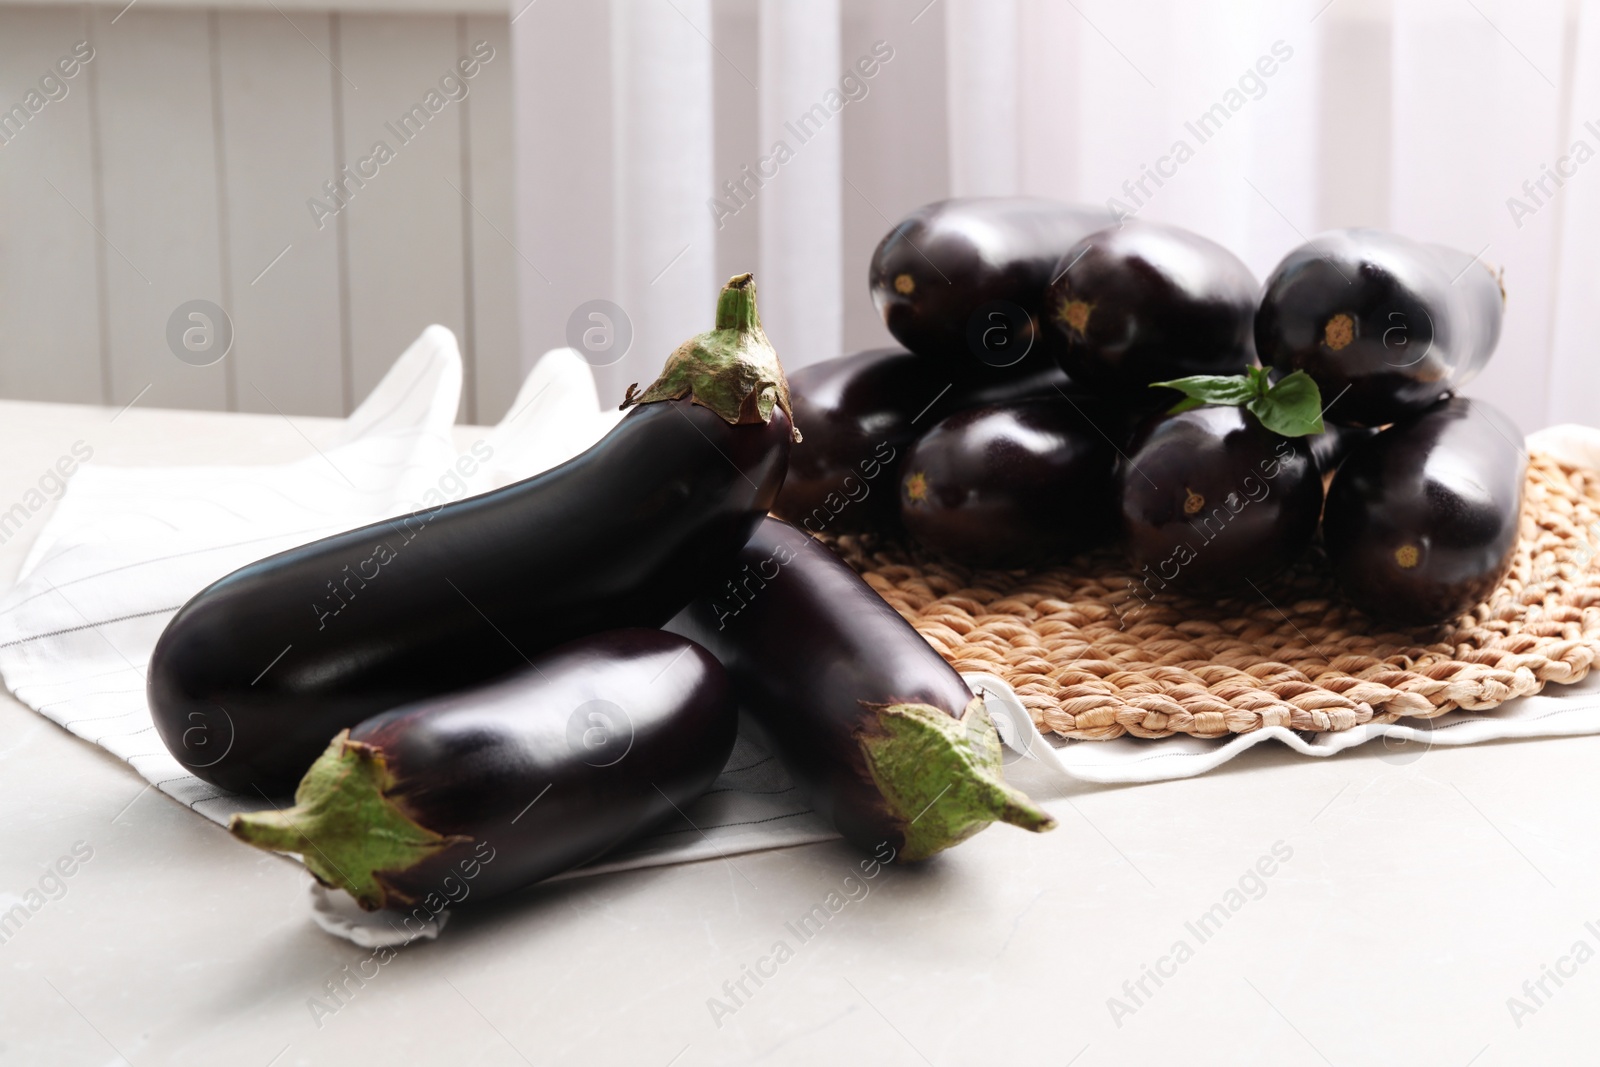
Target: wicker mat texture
[1091, 660]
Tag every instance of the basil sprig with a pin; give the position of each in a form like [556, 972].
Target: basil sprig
[1292, 407]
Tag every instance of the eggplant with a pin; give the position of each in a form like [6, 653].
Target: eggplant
[960, 281]
[487, 790]
[883, 736]
[1212, 501]
[1145, 302]
[258, 670]
[1330, 447]
[1015, 485]
[1386, 326]
[861, 412]
[1423, 518]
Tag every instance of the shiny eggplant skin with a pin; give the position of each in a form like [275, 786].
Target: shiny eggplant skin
[257, 671]
[1014, 485]
[1211, 500]
[1423, 519]
[1146, 302]
[939, 274]
[861, 412]
[1330, 447]
[582, 749]
[1385, 325]
[813, 654]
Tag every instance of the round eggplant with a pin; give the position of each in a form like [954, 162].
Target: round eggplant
[1212, 500]
[1016, 485]
[258, 670]
[883, 735]
[1145, 302]
[862, 412]
[961, 280]
[484, 791]
[1386, 326]
[1423, 518]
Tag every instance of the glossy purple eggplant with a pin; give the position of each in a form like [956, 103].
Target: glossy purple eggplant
[257, 671]
[1146, 302]
[1423, 519]
[487, 790]
[1211, 500]
[1385, 325]
[885, 738]
[1013, 485]
[1334, 444]
[861, 412]
[961, 280]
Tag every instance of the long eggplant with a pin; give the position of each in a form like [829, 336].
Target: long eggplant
[884, 737]
[1145, 302]
[1422, 519]
[1212, 500]
[1010, 485]
[484, 791]
[258, 670]
[1385, 325]
[961, 281]
[861, 412]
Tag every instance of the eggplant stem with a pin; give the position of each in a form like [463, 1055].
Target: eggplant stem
[346, 827]
[941, 776]
[733, 369]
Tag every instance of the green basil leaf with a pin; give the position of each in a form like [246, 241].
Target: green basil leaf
[1188, 403]
[1292, 408]
[1230, 389]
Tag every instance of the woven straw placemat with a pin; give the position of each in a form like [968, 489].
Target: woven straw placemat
[1090, 660]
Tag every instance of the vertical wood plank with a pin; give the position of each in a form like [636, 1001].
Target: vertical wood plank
[49, 289]
[564, 169]
[278, 149]
[496, 337]
[403, 220]
[158, 159]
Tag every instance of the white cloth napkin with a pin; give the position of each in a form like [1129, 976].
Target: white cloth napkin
[127, 546]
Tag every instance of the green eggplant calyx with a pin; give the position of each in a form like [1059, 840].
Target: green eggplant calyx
[940, 776]
[345, 827]
[1291, 408]
[733, 369]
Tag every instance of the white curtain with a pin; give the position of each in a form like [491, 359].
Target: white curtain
[650, 126]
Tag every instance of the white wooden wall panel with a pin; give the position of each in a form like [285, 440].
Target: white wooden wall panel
[49, 297]
[159, 160]
[491, 227]
[563, 169]
[277, 122]
[405, 260]
[193, 141]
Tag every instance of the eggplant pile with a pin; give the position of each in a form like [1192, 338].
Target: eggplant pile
[1067, 383]
[475, 697]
